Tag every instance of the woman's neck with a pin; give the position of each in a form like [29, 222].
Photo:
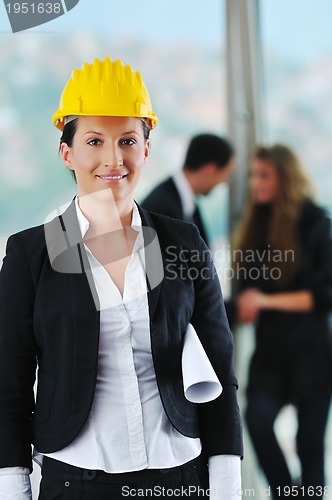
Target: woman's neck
[104, 213]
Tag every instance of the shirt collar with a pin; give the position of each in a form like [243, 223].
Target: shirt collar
[186, 194]
[84, 224]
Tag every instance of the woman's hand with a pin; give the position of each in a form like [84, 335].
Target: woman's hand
[249, 304]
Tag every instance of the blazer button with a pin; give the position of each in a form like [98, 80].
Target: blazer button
[89, 474]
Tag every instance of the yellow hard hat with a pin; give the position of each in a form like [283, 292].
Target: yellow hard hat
[105, 88]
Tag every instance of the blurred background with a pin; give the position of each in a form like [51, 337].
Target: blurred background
[252, 70]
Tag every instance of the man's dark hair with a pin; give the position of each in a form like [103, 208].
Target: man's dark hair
[207, 148]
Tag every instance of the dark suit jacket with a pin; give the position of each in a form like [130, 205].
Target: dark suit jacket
[49, 320]
[165, 199]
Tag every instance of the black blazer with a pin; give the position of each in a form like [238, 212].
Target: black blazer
[165, 199]
[49, 320]
[292, 349]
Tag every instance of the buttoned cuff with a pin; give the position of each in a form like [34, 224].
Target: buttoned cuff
[225, 476]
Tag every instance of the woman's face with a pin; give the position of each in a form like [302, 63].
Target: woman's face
[108, 152]
[263, 181]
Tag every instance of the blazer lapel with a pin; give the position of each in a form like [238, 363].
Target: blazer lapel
[66, 250]
[154, 263]
[69, 260]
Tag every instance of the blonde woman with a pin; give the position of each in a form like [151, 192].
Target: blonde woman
[283, 264]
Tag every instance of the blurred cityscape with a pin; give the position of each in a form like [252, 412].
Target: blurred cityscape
[187, 84]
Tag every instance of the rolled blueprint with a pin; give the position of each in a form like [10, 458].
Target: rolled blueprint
[200, 381]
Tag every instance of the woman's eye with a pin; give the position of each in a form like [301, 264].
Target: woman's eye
[128, 142]
[94, 142]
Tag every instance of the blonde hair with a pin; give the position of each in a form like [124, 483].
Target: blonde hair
[276, 225]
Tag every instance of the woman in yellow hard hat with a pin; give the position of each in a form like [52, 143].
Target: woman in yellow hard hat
[100, 299]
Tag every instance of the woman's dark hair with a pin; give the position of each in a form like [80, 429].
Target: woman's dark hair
[67, 136]
[146, 130]
[68, 133]
[276, 224]
[70, 128]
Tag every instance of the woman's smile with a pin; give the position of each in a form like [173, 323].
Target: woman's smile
[112, 178]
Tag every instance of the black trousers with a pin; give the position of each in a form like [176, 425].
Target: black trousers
[312, 412]
[66, 482]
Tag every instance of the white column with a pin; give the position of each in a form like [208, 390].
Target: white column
[244, 127]
[243, 85]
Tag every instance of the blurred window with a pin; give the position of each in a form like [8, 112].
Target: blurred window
[297, 75]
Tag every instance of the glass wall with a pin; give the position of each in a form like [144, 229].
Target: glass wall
[297, 75]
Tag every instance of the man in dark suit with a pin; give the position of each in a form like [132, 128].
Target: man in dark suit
[209, 161]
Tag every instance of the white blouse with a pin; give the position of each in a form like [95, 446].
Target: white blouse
[127, 429]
